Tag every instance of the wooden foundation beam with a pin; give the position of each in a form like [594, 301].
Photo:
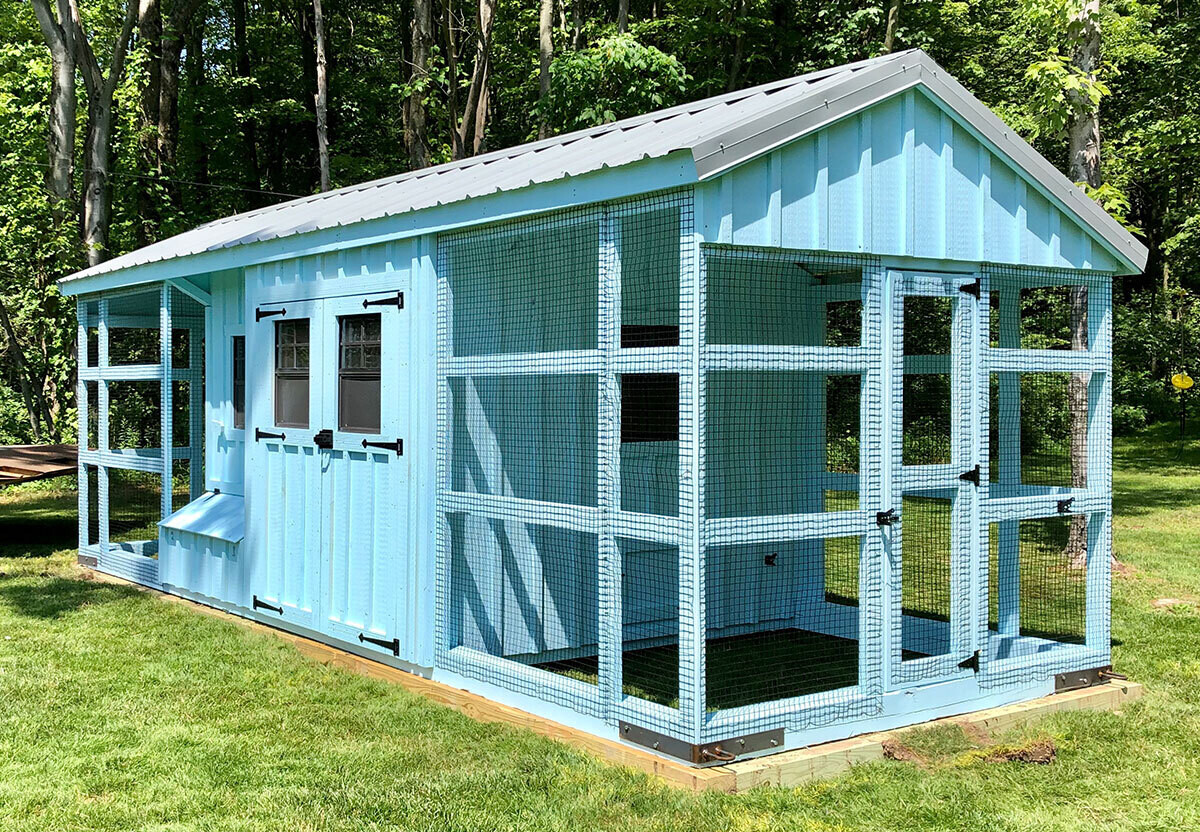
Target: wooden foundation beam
[787, 768]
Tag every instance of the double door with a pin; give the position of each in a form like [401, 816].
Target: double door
[327, 482]
[934, 546]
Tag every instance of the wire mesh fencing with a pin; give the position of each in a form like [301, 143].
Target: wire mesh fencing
[660, 467]
[142, 415]
[784, 363]
[560, 365]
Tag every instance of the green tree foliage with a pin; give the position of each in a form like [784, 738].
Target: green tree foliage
[616, 78]
[247, 137]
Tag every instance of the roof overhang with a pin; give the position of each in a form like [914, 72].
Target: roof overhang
[805, 105]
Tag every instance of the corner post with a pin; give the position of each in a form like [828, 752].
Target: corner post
[166, 390]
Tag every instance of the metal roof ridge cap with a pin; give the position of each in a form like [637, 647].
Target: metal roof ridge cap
[865, 79]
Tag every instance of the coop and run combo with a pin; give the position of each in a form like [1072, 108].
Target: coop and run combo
[740, 426]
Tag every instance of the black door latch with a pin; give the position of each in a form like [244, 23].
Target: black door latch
[323, 439]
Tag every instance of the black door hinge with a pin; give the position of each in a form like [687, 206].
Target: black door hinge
[262, 434]
[397, 301]
[1064, 506]
[260, 604]
[885, 518]
[323, 439]
[971, 663]
[397, 446]
[971, 289]
[971, 476]
[260, 313]
[393, 645]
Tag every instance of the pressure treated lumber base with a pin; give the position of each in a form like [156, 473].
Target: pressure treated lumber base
[787, 768]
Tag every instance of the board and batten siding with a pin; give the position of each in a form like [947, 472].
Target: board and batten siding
[902, 178]
[225, 445]
[351, 561]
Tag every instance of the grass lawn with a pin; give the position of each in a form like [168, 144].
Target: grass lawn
[120, 711]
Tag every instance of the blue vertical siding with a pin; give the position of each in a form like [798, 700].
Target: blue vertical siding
[225, 445]
[902, 178]
[330, 536]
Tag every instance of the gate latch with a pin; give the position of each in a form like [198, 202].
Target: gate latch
[971, 476]
[885, 518]
[323, 439]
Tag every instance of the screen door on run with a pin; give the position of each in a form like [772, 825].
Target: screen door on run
[934, 435]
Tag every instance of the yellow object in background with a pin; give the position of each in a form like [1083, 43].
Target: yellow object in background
[1182, 381]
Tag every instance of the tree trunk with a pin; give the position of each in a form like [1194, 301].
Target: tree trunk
[101, 87]
[174, 35]
[622, 16]
[415, 138]
[545, 56]
[150, 35]
[739, 45]
[60, 138]
[469, 132]
[97, 197]
[576, 24]
[1084, 133]
[322, 96]
[482, 112]
[16, 353]
[893, 21]
[198, 203]
[253, 171]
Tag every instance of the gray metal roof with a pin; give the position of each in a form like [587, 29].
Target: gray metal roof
[720, 132]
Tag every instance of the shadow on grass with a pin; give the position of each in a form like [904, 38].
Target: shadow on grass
[36, 521]
[51, 599]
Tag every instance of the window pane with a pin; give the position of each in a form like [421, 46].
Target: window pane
[358, 404]
[239, 381]
[291, 373]
[291, 345]
[650, 407]
[291, 401]
[358, 373]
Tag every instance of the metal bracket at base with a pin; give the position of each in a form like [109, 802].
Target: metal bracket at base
[1079, 679]
[723, 751]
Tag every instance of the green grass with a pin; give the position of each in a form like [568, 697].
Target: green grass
[120, 711]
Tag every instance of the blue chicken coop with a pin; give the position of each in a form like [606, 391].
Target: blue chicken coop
[752, 423]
